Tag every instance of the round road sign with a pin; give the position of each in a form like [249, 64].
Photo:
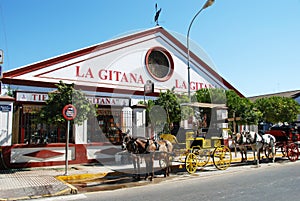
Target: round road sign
[69, 112]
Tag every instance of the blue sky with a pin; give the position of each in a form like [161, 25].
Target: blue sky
[254, 44]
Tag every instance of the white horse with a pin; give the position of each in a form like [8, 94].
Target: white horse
[269, 146]
[261, 142]
[256, 142]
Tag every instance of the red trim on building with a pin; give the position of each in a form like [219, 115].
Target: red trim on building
[82, 52]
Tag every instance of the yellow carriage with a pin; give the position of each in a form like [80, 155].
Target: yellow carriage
[197, 150]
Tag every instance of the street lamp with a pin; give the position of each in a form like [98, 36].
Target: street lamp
[206, 5]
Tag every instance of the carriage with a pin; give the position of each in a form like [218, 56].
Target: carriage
[195, 148]
[287, 141]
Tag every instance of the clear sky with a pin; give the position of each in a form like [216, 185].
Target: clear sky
[254, 44]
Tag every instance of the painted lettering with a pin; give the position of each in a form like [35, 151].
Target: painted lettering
[88, 74]
[39, 97]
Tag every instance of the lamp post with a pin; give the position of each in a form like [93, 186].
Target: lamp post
[206, 5]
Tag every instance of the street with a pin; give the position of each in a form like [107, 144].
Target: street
[278, 181]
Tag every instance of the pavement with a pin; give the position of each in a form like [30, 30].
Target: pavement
[31, 183]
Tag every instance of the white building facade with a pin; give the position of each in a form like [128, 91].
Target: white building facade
[113, 75]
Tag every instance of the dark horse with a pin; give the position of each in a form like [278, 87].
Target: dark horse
[149, 149]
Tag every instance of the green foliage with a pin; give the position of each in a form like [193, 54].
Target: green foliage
[242, 107]
[186, 111]
[170, 103]
[10, 92]
[51, 113]
[212, 95]
[277, 109]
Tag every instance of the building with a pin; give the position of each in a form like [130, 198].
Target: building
[112, 74]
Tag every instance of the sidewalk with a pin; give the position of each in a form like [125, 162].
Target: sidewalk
[18, 184]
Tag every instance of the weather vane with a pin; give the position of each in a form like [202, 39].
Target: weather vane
[157, 12]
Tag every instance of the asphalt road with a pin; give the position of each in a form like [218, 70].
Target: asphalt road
[278, 181]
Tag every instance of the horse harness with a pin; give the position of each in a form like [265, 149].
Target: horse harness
[138, 147]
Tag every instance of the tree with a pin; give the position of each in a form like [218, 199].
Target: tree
[241, 107]
[170, 103]
[277, 109]
[65, 94]
[213, 95]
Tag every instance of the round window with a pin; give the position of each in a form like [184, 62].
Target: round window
[159, 64]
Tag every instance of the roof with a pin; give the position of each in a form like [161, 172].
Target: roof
[38, 70]
[289, 94]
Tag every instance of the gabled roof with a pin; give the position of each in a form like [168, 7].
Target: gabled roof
[289, 94]
[15, 76]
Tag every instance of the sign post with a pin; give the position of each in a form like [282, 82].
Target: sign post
[148, 88]
[69, 112]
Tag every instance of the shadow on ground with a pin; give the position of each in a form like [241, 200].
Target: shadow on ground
[118, 180]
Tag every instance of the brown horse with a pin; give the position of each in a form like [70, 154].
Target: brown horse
[148, 149]
[241, 142]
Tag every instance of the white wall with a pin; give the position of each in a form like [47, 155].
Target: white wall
[6, 114]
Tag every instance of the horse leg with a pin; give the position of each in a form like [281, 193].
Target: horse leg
[148, 165]
[272, 144]
[167, 164]
[151, 166]
[164, 156]
[245, 153]
[254, 158]
[258, 155]
[136, 166]
[242, 154]
[138, 163]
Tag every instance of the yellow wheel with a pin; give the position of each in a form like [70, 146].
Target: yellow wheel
[191, 163]
[222, 157]
[203, 156]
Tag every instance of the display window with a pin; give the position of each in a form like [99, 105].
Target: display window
[107, 126]
[33, 132]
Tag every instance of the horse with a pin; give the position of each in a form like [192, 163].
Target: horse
[260, 142]
[241, 142]
[269, 146]
[148, 149]
[130, 146]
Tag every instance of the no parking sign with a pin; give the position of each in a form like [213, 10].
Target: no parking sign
[69, 112]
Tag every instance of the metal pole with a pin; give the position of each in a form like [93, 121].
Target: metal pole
[188, 53]
[206, 5]
[67, 148]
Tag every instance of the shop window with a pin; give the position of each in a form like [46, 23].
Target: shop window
[107, 126]
[33, 132]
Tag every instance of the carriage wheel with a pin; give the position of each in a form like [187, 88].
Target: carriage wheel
[203, 156]
[222, 157]
[292, 152]
[191, 163]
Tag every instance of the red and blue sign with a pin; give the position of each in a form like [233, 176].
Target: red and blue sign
[69, 112]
